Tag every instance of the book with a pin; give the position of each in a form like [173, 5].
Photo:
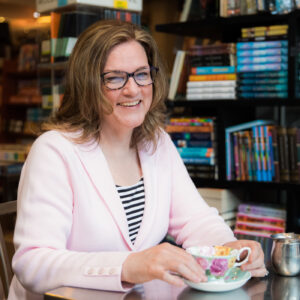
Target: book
[262, 52]
[10, 168]
[199, 160]
[176, 71]
[183, 128]
[262, 59]
[207, 96]
[292, 153]
[263, 44]
[269, 74]
[224, 200]
[261, 67]
[229, 142]
[194, 152]
[283, 94]
[212, 77]
[264, 87]
[283, 151]
[262, 210]
[212, 70]
[211, 83]
[212, 89]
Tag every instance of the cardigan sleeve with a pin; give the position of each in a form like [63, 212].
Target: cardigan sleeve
[42, 260]
[192, 221]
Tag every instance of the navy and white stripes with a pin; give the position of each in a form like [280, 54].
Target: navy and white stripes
[133, 200]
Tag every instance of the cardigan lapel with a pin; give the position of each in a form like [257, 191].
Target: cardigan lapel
[150, 184]
[96, 166]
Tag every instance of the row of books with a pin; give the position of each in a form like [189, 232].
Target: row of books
[262, 151]
[14, 152]
[256, 57]
[195, 141]
[230, 8]
[27, 92]
[257, 222]
[67, 26]
[10, 168]
[195, 9]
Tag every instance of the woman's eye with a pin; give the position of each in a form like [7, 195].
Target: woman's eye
[142, 75]
[113, 79]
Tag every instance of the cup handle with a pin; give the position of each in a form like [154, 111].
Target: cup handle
[237, 264]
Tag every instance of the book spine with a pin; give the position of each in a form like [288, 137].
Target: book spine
[264, 87]
[261, 67]
[237, 163]
[263, 94]
[264, 44]
[197, 136]
[212, 77]
[262, 152]
[262, 59]
[283, 154]
[199, 160]
[269, 74]
[219, 83]
[182, 128]
[216, 89]
[195, 152]
[207, 96]
[292, 148]
[258, 168]
[262, 52]
[212, 70]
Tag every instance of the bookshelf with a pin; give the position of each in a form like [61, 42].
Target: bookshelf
[232, 112]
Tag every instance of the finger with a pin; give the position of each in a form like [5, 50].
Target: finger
[172, 279]
[189, 274]
[261, 272]
[254, 264]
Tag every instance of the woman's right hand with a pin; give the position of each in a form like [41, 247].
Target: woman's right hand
[162, 262]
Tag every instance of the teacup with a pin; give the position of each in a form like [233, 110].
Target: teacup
[217, 261]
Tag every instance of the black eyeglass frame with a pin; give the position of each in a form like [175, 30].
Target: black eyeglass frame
[128, 76]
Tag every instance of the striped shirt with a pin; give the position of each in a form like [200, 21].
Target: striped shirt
[133, 200]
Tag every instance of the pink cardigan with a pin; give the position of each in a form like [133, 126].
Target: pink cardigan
[71, 228]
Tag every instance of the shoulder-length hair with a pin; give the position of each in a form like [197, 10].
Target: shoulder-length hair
[84, 102]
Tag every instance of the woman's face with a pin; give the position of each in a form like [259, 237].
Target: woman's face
[132, 102]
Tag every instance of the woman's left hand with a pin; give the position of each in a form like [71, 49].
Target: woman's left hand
[255, 262]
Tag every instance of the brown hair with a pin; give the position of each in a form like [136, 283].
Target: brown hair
[84, 102]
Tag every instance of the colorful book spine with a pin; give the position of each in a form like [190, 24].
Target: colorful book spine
[212, 70]
[249, 218]
[263, 52]
[212, 77]
[263, 44]
[263, 81]
[260, 210]
[192, 143]
[218, 83]
[194, 152]
[269, 74]
[263, 95]
[255, 134]
[182, 128]
[199, 160]
[197, 136]
[264, 87]
[207, 96]
[262, 59]
[262, 67]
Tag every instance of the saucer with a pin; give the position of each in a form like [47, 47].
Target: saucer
[233, 280]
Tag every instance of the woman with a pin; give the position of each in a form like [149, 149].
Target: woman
[104, 184]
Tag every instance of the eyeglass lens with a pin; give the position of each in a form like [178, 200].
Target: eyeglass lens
[118, 79]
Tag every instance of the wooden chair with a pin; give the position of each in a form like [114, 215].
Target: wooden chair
[9, 207]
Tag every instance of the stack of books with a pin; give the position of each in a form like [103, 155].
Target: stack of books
[262, 62]
[225, 201]
[265, 32]
[212, 72]
[258, 222]
[195, 141]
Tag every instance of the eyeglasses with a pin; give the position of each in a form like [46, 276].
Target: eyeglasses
[116, 80]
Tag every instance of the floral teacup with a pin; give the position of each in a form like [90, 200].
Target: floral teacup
[218, 260]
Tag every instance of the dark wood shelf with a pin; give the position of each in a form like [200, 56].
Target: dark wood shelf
[212, 183]
[204, 27]
[234, 103]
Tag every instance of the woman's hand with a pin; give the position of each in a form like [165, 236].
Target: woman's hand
[163, 262]
[255, 263]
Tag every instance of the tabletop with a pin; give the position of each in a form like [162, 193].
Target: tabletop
[272, 287]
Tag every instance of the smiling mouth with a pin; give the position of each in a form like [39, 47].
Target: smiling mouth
[130, 104]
